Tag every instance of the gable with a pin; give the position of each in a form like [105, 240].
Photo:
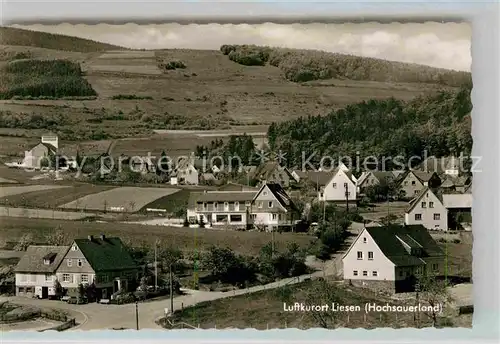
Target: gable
[342, 177]
[410, 177]
[266, 195]
[426, 195]
[365, 242]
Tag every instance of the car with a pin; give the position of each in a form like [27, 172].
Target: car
[77, 300]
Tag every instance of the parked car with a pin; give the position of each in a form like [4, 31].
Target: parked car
[77, 300]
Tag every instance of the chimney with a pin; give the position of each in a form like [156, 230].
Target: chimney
[103, 237]
[91, 237]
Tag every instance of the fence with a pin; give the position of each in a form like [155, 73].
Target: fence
[51, 315]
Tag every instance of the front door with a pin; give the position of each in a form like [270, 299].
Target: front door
[104, 293]
[45, 292]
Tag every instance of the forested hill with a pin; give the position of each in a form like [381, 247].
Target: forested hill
[440, 124]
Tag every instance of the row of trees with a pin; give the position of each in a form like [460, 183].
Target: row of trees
[305, 65]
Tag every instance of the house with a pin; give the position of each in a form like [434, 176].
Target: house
[458, 201]
[37, 156]
[392, 257]
[273, 172]
[272, 208]
[36, 270]
[427, 209]
[455, 183]
[413, 181]
[340, 188]
[268, 207]
[103, 261]
[318, 179]
[185, 173]
[220, 208]
[372, 178]
[448, 166]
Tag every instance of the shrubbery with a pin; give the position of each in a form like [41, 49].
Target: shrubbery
[305, 65]
[171, 65]
[130, 96]
[44, 78]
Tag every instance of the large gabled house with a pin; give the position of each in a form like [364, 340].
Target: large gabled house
[410, 183]
[102, 261]
[340, 188]
[36, 270]
[427, 209]
[391, 258]
[185, 173]
[272, 208]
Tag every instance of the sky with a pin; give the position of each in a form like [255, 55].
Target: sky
[444, 45]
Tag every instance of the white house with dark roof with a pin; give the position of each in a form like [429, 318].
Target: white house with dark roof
[36, 270]
[390, 258]
[427, 209]
[49, 145]
[412, 182]
[340, 187]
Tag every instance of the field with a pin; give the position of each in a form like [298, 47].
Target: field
[264, 310]
[211, 93]
[176, 202]
[187, 239]
[128, 199]
[52, 198]
[18, 190]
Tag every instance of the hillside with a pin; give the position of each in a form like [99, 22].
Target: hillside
[439, 124]
[306, 65]
[141, 91]
[21, 37]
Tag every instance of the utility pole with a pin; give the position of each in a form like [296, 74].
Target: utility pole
[171, 291]
[156, 265]
[324, 210]
[346, 196]
[136, 316]
[272, 242]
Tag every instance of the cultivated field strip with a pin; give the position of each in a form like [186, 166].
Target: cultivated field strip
[122, 199]
[16, 190]
[42, 214]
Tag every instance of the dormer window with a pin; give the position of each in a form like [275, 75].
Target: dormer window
[46, 261]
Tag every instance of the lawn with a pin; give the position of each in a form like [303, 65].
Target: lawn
[173, 203]
[459, 256]
[187, 239]
[52, 198]
[264, 310]
[128, 199]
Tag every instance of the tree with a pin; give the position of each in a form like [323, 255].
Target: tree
[58, 289]
[57, 237]
[433, 292]
[323, 293]
[81, 291]
[24, 242]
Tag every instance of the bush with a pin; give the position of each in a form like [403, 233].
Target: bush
[130, 96]
[171, 65]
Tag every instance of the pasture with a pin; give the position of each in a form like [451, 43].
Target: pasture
[187, 239]
[122, 199]
[8, 191]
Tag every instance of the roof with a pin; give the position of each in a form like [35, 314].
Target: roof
[380, 175]
[461, 200]
[319, 178]
[280, 195]
[221, 196]
[208, 176]
[423, 176]
[468, 188]
[390, 241]
[237, 187]
[450, 181]
[108, 254]
[421, 195]
[263, 171]
[33, 259]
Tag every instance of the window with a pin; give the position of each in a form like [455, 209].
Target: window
[424, 205]
[431, 204]
[345, 185]
[236, 205]
[437, 217]
[265, 193]
[247, 203]
[401, 273]
[73, 248]
[355, 272]
[360, 255]
[226, 205]
[79, 262]
[348, 194]
[418, 217]
[270, 204]
[204, 206]
[435, 267]
[220, 218]
[321, 195]
[66, 278]
[334, 185]
[29, 289]
[274, 216]
[364, 240]
[216, 205]
[46, 261]
[405, 183]
[253, 216]
[235, 218]
[374, 273]
[104, 279]
[370, 255]
[415, 192]
[24, 278]
[365, 273]
[412, 182]
[70, 262]
[260, 204]
[48, 278]
[85, 279]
